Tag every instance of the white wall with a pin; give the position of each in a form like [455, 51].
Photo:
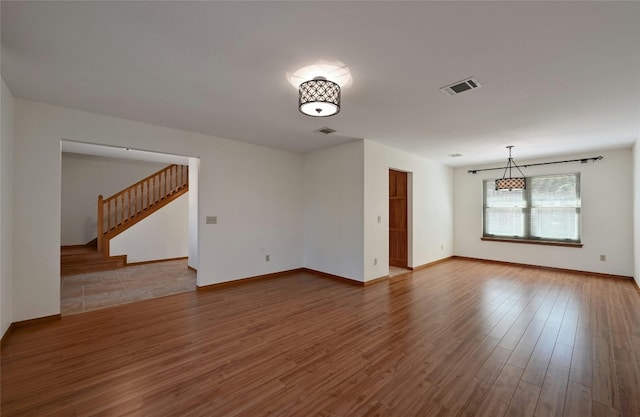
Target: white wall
[333, 210]
[6, 209]
[84, 177]
[162, 235]
[636, 211]
[430, 206]
[324, 219]
[194, 172]
[347, 188]
[607, 216]
[254, 191]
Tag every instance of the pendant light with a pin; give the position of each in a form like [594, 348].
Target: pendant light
[510, 183]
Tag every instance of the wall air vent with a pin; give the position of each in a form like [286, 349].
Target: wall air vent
[324, 131]
[461, 86]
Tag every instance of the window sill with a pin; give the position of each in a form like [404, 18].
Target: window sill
[533, 242]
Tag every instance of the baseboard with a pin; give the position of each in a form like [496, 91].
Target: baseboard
[25, 323]
[427, 265]
[241, 281]
[247, 280]
[315, 272]
[37, 320]
[190, 268]
[156, 261]
[335, 277]
[549, 268]
[377, 280]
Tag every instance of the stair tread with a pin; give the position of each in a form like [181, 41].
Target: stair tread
[80, 257]
[80, 253]
[85, 266]
[72, 251]
[93, 258]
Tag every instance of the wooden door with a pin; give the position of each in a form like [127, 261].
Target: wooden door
[398, 236]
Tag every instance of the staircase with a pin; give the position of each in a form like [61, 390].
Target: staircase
[118, 213]
[79, 259]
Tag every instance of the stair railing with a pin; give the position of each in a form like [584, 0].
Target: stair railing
[115, 213]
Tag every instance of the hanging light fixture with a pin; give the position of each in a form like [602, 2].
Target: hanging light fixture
[510, 183]
[319, 97]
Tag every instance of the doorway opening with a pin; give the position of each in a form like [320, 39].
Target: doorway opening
[159, 248]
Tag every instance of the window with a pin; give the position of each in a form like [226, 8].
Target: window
[548, 210]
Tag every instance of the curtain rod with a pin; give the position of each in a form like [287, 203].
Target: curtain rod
[581, 160]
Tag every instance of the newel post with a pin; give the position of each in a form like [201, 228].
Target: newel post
[100, 221]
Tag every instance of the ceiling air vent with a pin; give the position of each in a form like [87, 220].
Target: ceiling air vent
[324, 131]
[461, 86]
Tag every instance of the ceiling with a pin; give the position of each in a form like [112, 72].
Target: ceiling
[70, 146]
[557, 77]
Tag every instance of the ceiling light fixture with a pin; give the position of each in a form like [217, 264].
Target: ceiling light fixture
[510, 183]
[319, 97]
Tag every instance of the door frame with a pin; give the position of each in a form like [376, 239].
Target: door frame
[409, 214]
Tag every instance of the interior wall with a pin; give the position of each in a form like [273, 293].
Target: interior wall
[84, 177]
[636, 211]
[6, 207]
[254, 191]
[194, 172]
[162, 235]
[431, 208]
[333, 210]
[606, 215]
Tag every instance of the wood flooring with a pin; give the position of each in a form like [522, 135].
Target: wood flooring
[461, 338]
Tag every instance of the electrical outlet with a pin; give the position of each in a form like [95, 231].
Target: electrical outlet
[212, 219]
[267, 258]
[375, 261]
[603, 258]
[441, 247]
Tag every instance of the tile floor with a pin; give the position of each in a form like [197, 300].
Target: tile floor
[395, 271]
[95, 290]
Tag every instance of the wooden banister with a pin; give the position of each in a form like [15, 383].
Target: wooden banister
[125, 208]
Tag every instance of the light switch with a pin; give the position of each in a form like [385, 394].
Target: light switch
[212, 219]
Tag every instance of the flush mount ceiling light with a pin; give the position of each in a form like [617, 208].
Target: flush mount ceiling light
[319, 87]
[319, 97]
[510, 183]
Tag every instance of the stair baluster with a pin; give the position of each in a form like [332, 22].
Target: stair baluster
[130, 205]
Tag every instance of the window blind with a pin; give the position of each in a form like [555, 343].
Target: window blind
[549, 209]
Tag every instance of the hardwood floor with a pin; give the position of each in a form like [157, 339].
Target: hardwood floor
[461, 338]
